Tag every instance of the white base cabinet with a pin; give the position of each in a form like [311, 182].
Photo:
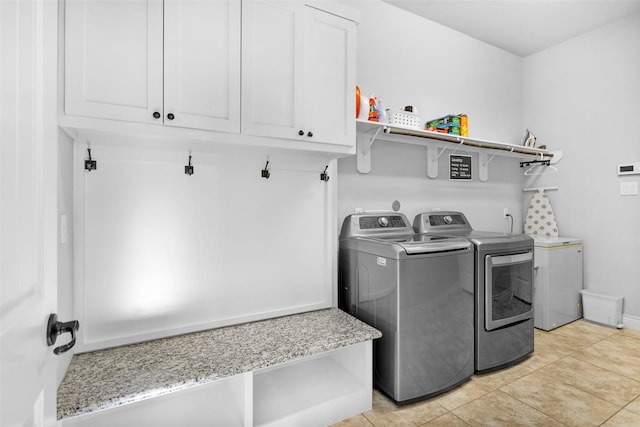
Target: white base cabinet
[221, 403]
[313, 391]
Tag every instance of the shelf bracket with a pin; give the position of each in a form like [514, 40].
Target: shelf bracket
[483, 165]
[460, 144]
[364, 142]
[557, 156]
[366, 149]
[432, 160]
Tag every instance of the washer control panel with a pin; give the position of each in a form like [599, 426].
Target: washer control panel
[372, 224]
[382, 221]
[436, 220]
[441, 222]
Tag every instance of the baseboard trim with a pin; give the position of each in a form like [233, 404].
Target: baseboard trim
[631, 322]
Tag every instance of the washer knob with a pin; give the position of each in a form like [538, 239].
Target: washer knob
[383, 221]
[447, 219]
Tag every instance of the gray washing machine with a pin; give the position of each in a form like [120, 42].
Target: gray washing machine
[418, 291]
[503, 288]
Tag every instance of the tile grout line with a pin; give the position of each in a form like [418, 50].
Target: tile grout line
[535, 409]
[525, 403]
[617, 333]
[540, 370]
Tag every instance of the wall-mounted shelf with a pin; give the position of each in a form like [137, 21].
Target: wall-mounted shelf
[436, 143]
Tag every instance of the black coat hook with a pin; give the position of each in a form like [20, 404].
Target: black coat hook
[90, 164]
[265, 172]
[324, 176]
[188, 169]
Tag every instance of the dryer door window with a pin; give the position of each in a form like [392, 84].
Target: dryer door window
[508, 289]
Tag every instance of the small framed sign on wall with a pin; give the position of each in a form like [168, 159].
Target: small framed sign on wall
[459, 167]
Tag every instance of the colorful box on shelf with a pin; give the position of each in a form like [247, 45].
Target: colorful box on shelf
[464, 125]
[435, 129]
[444, 120]
[451, 129]
[453, 124]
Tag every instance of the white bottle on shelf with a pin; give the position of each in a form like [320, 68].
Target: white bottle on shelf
[383, 114]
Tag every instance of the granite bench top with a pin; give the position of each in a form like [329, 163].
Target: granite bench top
[108, 378]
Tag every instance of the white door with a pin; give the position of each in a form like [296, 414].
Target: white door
[28, 198]
[272, 69]
[330, 78]
[202, 64]
[113, 59]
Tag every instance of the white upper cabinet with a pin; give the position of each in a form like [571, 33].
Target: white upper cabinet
[202, 64]
[146, 61]
[113, 59]
[257, 72]
[272, 60]
[298, 74]
[330, 77]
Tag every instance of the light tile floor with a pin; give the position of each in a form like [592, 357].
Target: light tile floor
[580, 374]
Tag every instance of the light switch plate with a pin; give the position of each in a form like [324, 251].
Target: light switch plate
[629, 188]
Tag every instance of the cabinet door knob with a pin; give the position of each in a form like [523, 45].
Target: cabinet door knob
[300, 132]
[156, 115]
[309, 134]
[170, 116]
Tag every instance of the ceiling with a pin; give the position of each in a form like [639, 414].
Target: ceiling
[522, 27]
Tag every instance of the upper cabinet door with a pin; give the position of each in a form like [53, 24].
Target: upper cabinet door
[202, 64]
[330, 78]
[273, 63]
[298, 77]
[113, 59]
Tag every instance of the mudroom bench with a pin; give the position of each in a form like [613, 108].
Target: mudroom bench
[306, 369]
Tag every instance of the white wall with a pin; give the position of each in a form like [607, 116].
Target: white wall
[407, 60]
[160, 252]
[582, 96]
